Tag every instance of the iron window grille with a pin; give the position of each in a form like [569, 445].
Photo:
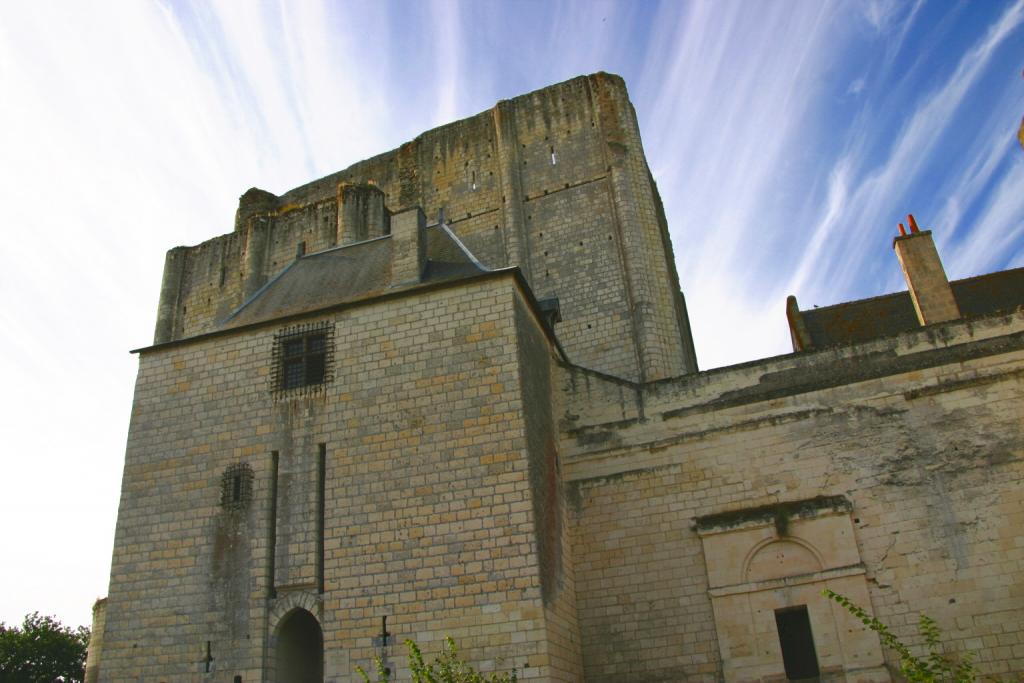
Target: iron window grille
[236, 486]
[303, 359]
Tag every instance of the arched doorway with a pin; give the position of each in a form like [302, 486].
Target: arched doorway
[299, 657]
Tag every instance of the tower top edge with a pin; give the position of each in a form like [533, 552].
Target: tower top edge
[599, 80]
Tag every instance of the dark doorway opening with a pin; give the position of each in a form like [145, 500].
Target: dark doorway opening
[300, 649]
[797, 642]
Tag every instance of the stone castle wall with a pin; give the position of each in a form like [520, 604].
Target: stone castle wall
[920, 433]
[428, 497]
[554, 182]
[95, 652]
[605, 513]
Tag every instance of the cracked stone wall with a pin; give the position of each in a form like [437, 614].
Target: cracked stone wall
[922, 433]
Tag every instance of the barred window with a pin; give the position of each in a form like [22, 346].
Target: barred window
[236, 486]
[302, 358]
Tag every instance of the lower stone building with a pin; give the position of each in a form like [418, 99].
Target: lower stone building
[357, 425]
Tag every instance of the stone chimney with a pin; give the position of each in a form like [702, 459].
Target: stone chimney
[408, 247]
[798, 333]
[926, 279]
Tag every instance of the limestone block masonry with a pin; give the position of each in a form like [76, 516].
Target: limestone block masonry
[362, 420]
[921, 436]
[428, 516]
[554, 182]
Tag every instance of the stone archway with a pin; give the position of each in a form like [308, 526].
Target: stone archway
[299, 655]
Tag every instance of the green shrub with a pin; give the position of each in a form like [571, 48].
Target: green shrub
[447, 667]
[935, 667]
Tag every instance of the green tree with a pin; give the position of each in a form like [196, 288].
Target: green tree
[42, 651]
[447, 667]
[934, 667]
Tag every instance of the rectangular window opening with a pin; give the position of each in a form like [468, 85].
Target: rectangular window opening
[272, 526]
[236, 486]
[797, 643]
[302, 358]
[321, 492]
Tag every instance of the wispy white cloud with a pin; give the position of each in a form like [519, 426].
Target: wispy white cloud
[335, 81]
[875, 195]
[809, 267]
[77, 265]
[879, 13]
[446, 48]
[732, 123]
[968, 181]
[127, 130]
[733, 131]
[998, 228]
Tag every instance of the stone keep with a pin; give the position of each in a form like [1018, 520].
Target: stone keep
[451, 390]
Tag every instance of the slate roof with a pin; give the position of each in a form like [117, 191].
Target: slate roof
[348, 273]
[864, 319]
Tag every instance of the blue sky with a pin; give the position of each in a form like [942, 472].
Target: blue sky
[787, 140]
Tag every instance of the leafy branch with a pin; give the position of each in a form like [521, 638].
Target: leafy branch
[935, 667]
[447, 667]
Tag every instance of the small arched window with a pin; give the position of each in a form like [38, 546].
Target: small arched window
[236, 486]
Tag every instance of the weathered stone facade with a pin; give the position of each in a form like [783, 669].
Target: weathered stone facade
[349, 414]
[920, 434]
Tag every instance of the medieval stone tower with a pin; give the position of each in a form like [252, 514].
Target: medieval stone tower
[553, 183]
[361, 372]
[451, 390]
